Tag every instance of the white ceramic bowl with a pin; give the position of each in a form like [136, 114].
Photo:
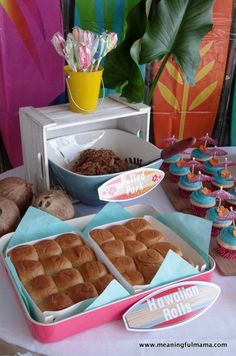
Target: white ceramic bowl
[63, 151]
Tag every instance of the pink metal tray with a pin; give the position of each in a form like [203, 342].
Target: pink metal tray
[70, 326]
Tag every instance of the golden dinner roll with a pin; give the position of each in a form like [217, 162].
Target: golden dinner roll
[148, 257]
[55, 264]
[67, 278]
[134, 277]
[164, 247]
[82, 291]
[55, 302]
[101, 283]
[124, 263]
[69, 240]
[150, 237]
[114, 248]
[47, 248]
[93, 270]
[23, 253]
[122, 233]
[28, 270]
[138, 224]
[101, 235]
[148, 262]
[133, 247]
[149, 272]
[79, 255]
[41, 287]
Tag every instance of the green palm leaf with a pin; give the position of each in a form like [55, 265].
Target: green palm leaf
[176, 28]
[120, 69]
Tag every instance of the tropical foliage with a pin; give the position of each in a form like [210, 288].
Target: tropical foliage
[174, 29]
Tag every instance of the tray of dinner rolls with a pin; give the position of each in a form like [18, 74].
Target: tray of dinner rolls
[62, 277]
[59, 275]
[134, 250]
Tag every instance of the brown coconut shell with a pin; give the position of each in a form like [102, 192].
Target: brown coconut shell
[9, 215]
[55, 202]
[18, 190]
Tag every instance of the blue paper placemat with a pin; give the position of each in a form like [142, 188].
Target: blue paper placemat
[194, 230]
[37, 224]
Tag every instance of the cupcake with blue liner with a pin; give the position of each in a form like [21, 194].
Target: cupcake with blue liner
[188, 184]
[178, 169]
[210, 166]
[201, 200]
[232, 201]
[222, 178]
[168, 161]
[226, 240]
[202, 153]
[214, 214]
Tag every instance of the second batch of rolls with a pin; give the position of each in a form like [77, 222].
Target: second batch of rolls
[60, 272]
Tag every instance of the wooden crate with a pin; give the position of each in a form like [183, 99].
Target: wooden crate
[38, 125]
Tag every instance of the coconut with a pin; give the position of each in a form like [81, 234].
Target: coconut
[55, 202]
[9, 215]
[18, 190]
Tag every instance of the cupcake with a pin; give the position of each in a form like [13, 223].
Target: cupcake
[178, 169]
[231, 202]
[187, 185]
[222, 179]
[210, 166]
[201, 201]
[226, 242]
[201, 154]
[168, 161]
[217, 225]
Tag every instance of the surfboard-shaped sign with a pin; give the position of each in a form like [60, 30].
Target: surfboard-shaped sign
[171, 306]
[130, 185]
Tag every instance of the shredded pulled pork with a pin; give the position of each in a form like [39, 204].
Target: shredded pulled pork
[93, 162]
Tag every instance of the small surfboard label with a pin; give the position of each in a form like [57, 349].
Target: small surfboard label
[171, 306]
[130, 185]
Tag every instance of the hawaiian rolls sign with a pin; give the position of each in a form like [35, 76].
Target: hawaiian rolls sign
[171, 306]
[130, 185]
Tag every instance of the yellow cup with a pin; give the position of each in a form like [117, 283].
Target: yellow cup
[83, 89]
